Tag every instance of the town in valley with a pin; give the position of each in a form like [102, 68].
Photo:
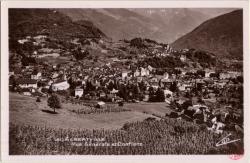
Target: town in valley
[68, 78]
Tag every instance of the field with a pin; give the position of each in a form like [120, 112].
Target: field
[34, 132]
[25, 110]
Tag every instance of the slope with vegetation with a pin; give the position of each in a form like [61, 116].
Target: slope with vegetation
[222, 36]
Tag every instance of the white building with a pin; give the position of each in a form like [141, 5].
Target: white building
[150, 68]
[166, 76]
[26, 93]
[136, 73]
[182, 87]
[168, 93]
[229, 74]
[183, 58]
[54, 75]
[114, 92]
[144, 72]
[22, 41]
[60, 85]
[36, 75]
[207, 74]
[124, 74]
[79, 92]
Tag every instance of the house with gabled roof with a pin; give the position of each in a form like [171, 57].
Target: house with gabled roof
[60, 85]
[78, 92]
[26, 83]
[36, 75]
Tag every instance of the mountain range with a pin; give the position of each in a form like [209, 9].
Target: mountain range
[221, 35]
[163, 25]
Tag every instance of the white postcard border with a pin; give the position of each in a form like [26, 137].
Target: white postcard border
[117, 4]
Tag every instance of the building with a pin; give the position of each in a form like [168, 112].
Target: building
[55, 75]
[100, 104]
[36, 75]
[60, 85]
[26, 93]
[150, 68]
[207, 73]
[183, 58]
[11, 73]
[167, 83]
[26, 83]
[136, 73]
[22, 41]
[229, 74]
[144, 72]
[182, 87]
[78, 92]
[114, 92]
[124, 74]
[166, 76]
[168, 93]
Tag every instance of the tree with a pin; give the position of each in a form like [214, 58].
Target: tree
[142, 86]
[201, 73]
[28, 60]
[13, 81]
[110, 86]
[120, 103]
[151, 94]
[135, 91]
[160, 97]
[89, 86]
[186, 104]
[173, 87]
[50, 90]
[215, 75]
[151, 91]
[79, 55]
[137, 42]
[38, 99]
[123, 92]
[54, 102]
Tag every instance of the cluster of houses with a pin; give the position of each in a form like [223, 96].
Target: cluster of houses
[60, 77]
[77, 77]
[118, 76]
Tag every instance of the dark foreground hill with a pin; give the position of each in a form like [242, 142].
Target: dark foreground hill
[222, 36]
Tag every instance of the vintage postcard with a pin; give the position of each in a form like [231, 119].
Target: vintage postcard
[110, 81]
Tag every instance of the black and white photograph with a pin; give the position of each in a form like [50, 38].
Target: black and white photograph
[126, 81]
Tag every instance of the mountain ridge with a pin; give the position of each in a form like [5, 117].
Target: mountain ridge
[24, 22]
[219, 35]
[162, 25]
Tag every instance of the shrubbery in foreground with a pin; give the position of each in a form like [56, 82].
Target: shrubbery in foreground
[168, 136]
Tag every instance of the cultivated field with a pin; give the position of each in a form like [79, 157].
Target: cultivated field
[149, 137]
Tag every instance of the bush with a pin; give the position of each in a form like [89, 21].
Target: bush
[120, 103]
[150, 119]
[38, 99]
[44, 90]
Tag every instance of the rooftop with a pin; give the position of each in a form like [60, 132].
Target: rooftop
[26, 81]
